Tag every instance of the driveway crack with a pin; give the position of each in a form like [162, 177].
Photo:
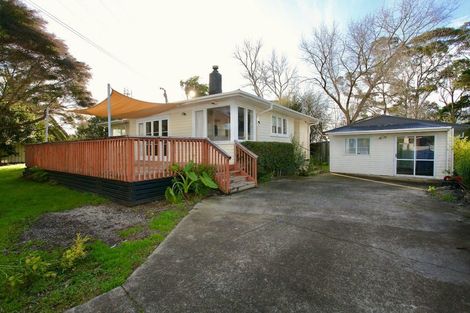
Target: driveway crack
[135, 303]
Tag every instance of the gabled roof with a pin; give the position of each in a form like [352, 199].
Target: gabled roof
[387, 122]
[126, 107]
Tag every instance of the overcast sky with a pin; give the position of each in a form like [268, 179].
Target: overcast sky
[162, 42]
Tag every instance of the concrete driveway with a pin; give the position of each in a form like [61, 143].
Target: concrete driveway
[320, 244]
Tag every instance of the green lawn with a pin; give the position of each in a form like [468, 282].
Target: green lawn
[102, 269]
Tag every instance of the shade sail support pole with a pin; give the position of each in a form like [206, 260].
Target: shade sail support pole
[110, 133]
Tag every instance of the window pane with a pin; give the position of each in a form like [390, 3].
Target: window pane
[284, 126]
[274, 127]
[250, 124]
[363, 145]
[424, 148]
[164, 128]
[425, 168]
[241, 123]
[148, 128]
[156, 128]
[405, 167]
[405, 147]
[350, 146]
[218, 123]
[279, 125]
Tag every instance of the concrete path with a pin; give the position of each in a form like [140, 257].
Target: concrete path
[320, 244]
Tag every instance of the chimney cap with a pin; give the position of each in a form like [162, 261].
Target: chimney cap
[215, 67]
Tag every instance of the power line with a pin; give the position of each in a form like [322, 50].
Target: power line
[83, 37]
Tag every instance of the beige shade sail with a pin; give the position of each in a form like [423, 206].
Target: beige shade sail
[126, 107]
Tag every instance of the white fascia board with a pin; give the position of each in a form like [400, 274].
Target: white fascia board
[240, 93]
[390, 131]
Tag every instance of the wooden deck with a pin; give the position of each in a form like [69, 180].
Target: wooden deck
[129, 159]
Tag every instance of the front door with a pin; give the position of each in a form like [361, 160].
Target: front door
[415, 155]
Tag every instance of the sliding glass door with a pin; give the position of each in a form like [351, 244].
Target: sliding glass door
[415, 155]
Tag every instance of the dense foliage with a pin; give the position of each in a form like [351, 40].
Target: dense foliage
[190, 179]
[193, 88]
[462, 159]
[275, 158]
[92, 129]
[36, 73]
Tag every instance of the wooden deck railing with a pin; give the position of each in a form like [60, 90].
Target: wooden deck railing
[246, 161]
[129, 159]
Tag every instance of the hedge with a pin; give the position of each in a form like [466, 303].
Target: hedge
[462, 159]
[274, 158]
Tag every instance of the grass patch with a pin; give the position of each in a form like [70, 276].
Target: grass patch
[22, 201]
[131, 231]
[102, 269]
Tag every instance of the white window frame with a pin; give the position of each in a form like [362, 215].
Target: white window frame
[253, 124]
[396, 159]
[280, 130]
[152, 120]
[346, 146]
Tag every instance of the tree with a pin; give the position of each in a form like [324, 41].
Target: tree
[92, 129]
[313, 104]
[272, 77]
[349, 66]
[36, 72]
[193, 88]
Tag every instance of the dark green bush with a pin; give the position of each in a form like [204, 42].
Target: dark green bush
[274, 158]
[462, 158]
[36, 174]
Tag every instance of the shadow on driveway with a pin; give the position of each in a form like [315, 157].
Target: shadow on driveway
[318, 244]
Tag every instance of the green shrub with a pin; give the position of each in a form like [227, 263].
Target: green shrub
[275, 158]
[462, 159]
[189, 179]
[36, 174]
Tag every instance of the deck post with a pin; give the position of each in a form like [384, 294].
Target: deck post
[110, 132]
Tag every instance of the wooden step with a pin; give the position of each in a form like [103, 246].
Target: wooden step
[240, 186]
[237, 179]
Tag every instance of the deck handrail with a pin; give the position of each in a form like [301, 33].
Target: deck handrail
[129, 159]
[246, 161]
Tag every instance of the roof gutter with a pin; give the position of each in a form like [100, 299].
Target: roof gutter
[267, 110]
[388, 131]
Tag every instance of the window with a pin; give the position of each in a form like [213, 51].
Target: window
[357, 145]
[245, 124]
[218, 123]
[279, 125]
[241, 123]
[154, 128]
[250, 125]
[164, 128]
[363, 145]
[415, 155]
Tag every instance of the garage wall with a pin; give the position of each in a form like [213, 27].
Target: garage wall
[381, 160]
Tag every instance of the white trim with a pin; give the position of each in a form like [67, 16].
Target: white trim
[246, 95]
[398, 130]
[276, 134]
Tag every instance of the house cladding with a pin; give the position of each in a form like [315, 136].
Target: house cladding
[381, 158]
[396, 147]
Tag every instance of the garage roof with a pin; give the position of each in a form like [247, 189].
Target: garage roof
[387, 122]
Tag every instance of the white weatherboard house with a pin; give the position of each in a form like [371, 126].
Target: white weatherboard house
[393, 146]
[223, 117]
